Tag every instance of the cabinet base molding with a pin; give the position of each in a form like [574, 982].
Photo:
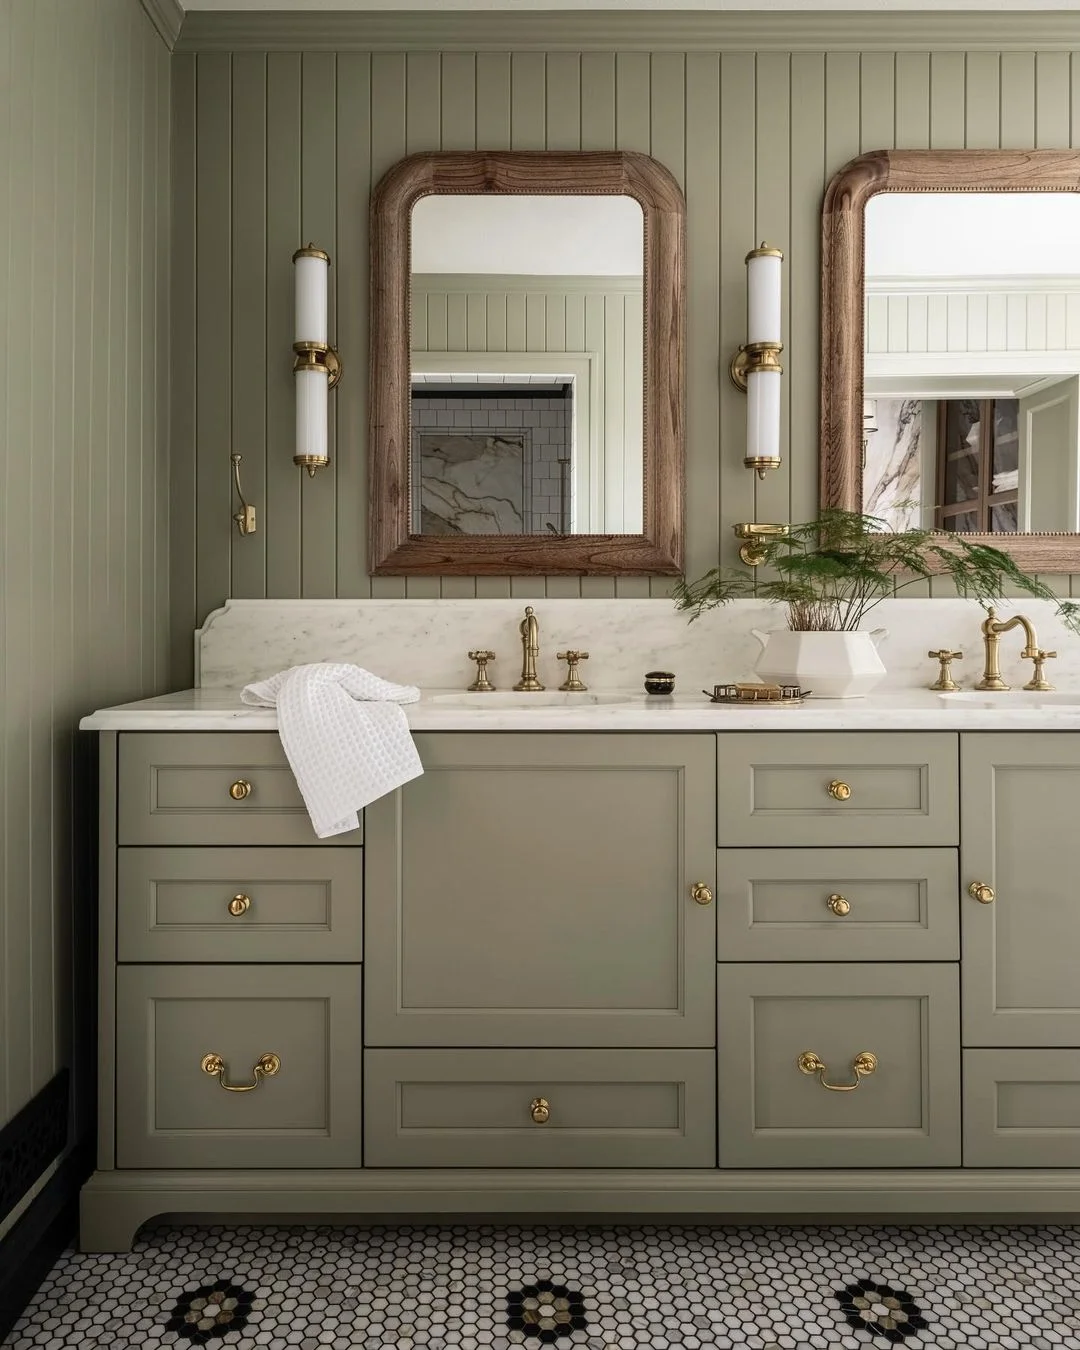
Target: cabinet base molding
[115, 1204]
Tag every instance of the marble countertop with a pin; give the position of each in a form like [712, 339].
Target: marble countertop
[453, 710]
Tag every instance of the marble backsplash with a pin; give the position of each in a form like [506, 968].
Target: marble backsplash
[426, 642]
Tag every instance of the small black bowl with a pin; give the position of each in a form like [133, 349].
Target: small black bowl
[659, 682]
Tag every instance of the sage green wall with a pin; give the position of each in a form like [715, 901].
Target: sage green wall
[275, 148]
[84, 238]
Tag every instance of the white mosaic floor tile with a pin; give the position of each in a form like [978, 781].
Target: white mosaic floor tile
[488, 1288]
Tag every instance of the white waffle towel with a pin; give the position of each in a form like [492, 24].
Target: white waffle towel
[345, 736]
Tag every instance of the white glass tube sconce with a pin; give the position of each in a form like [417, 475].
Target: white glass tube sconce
[755, 367]
[317, 366]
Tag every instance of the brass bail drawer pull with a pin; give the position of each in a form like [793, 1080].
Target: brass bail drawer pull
[240, 790]
[864, 1063]
[239, 904]
[264, 1067]
[979, 890]
[838, 790]
[540, 1110]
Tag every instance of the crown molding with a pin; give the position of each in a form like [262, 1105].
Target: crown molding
[670, 30]
[167, 16]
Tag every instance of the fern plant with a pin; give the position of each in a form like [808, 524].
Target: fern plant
[831, 572]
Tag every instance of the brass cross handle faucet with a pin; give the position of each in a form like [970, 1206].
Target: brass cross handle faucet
[572, 684]
[945, 681]
[481, 685]
[992, 628]
[530, 650]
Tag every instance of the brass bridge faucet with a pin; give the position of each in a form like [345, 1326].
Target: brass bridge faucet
[992, 628]
[530, 650]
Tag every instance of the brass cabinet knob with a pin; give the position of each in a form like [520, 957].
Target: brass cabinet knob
[264, 1067]
[540, 1110]
[839, 905]
[979, 890]
[240, 789]
[239, 904]
[701, 893]
[863, 1064]
[839, 790]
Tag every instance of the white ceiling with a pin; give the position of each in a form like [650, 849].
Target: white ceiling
[801, 6]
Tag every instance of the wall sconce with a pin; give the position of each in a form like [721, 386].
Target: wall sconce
[755, 368]
[317, 366]
[869, 424]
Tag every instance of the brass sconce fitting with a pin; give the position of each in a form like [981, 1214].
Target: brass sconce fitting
[755, 356]
[313, 356]
[754, 549]
[245, 517]
[755, 368]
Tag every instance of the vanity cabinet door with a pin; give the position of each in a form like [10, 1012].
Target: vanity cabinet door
[903, 1110]
[1021, 809]
[1021, 1108]
[535, 890]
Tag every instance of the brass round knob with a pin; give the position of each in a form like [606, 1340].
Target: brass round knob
[240, 789]
[239, 904]
[839, 905]
[980, 891]
[701, 893]
[839, 790]
[540, 1110]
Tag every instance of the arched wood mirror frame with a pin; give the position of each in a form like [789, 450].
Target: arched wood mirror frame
[843, 305]
[393, 550]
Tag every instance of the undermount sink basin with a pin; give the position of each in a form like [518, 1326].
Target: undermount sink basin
[1015, 698]
[550, 698]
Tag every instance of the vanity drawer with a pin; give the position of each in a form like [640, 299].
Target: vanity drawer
[172, 1113]
[1021, 1108]
[837, 904]
[240, 904]
[177, 788]
[473, 1108]
[821, 788]
[906, 1113]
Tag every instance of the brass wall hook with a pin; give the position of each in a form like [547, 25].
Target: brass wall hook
[245, 517]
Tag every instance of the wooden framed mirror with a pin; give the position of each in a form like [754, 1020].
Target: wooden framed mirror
[950, 346]
[527, 366]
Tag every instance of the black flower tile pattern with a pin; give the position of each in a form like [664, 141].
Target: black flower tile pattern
[210, 1311]
[644, 1287]
[545, 1311]
[881, 1310]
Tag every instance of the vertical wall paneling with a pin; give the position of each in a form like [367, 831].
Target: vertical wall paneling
[213, 284]
[802, 355]
[249, 344]
[351, 261]
[753, 137]
[281, 517]
[84, 248]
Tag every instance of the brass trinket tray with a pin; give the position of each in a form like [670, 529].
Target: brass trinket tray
[756, 693]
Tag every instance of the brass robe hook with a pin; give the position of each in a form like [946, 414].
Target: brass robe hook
[245, 517]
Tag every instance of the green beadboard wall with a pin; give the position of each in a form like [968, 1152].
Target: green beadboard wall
[84, 239]
[275, 148]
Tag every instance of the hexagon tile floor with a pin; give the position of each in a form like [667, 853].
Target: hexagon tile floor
[649, 1288]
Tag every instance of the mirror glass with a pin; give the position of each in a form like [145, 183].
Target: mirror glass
[971, 411]
[527, 359]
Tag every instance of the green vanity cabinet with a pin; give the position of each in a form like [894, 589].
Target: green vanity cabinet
[1021, 815]
[538, 890]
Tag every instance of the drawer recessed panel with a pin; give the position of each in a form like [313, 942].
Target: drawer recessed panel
[540, 1108]
[211, 788]
[239, 904]
[837, 788]
[283, 1088]
[839, 1065]
[1021, 1108]
[850, 904]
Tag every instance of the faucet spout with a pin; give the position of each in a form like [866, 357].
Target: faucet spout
[529, 629]
[992, 628]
